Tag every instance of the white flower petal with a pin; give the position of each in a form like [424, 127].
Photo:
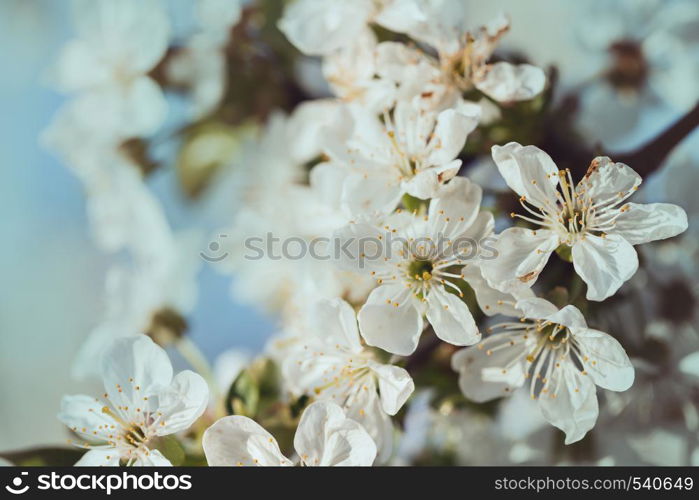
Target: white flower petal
[449, 135]
[605, 180]
[379, 192]
[536, 308]
[336, 321]
[458, 199]
[490, 300]
[441, 24]
[651, 222]
[131, 35]
[326, 437]
[83, 415]
[362, 248]
[451, 319]
[132, 111]
[182, 403]
[426, 183]
[401, 16]
[133, 362]
[395, 386]
[480, 231]
[660, 448]
[366, 409]
[153, 459]
[690, 364]
[570, 402]
[100, 457]
[569, 316]
[395, 329]
[318, 27]
[410, 69]
[238, 440]
[604, 359]
[79, 67]
[473, 361]
[327, 181]
[507, 82]
[673, 61]
[604, 264]
[144, 108]
[528, 171]
[521, 256]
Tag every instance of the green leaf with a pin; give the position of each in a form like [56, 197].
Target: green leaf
[243, 395]
[413, 204]
[44, 456]
[565, 252]
[171, 448]
[206, 147]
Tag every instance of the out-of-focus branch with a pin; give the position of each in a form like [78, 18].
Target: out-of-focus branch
[423, 354]
[650, 156]
[644, 160]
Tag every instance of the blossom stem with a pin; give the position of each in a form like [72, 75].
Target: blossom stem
[196, 359]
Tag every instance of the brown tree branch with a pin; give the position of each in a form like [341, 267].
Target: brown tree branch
[651, 155]
[567, 150]
[423, 354]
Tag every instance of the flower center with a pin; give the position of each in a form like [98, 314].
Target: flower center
[420, 270]
[551, 336]
[549, 345]
[629, 69]
[346, 380]
[572, 212]
[131, 434]
[166, 326]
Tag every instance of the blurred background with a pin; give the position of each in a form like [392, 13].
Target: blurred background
[52, 272]
[53, 276]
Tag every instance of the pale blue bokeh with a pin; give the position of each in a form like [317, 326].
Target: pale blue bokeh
[51, 274]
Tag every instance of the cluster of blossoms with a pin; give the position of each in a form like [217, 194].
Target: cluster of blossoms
[373, 169]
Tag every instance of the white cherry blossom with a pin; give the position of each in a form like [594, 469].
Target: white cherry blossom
[142, 402]
[273, 168]
[118, 42]
[638, 53]
[200, 68]
[412, 151]
[412, 259]
[324, 437]
[351, 73]
[463, 53]
[556, 355]
[319, 27]
[592, 219]
[329, 362]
